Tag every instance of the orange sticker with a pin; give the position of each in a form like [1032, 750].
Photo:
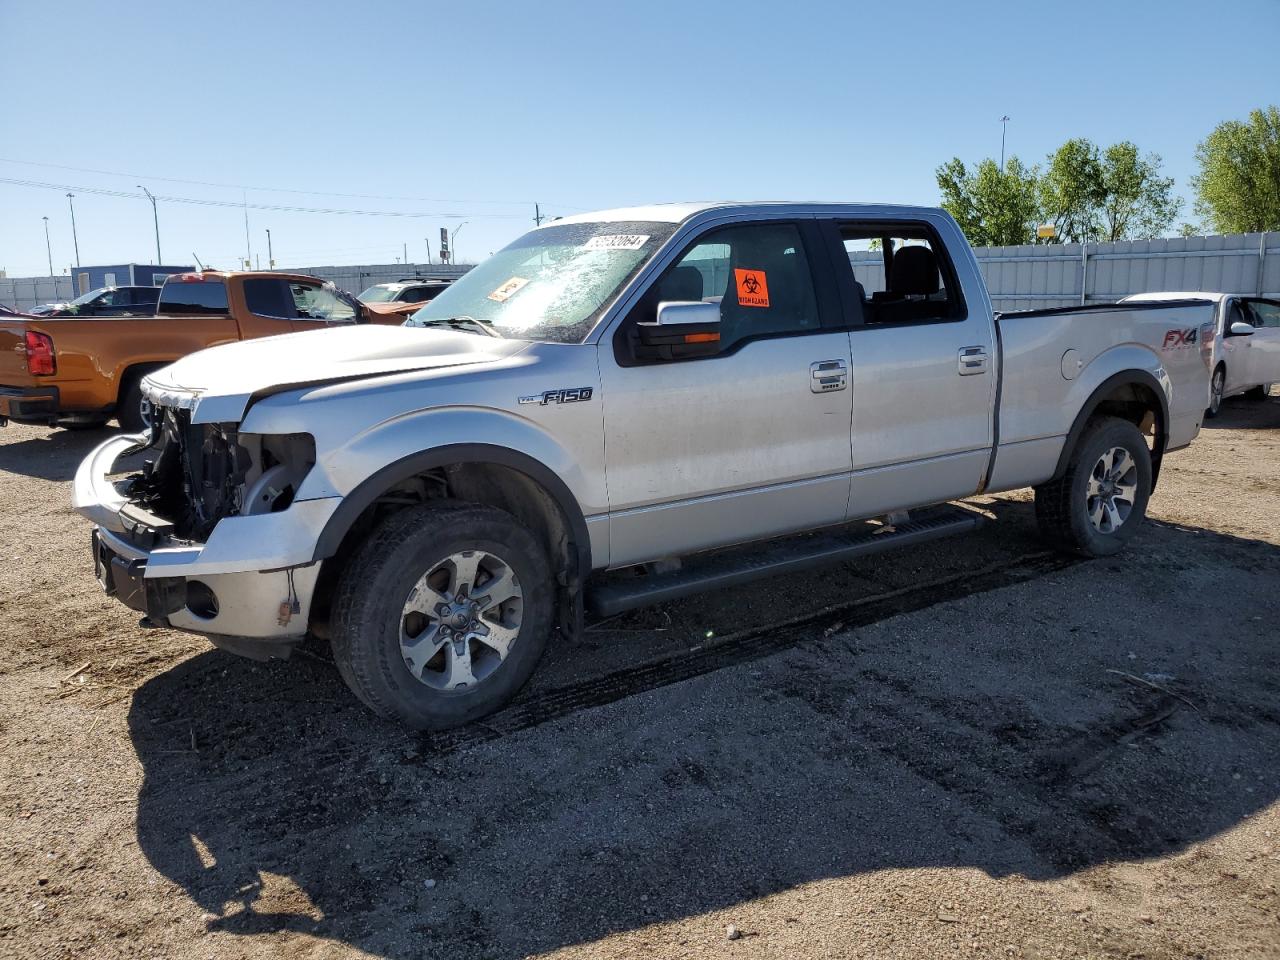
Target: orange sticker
[753, 288]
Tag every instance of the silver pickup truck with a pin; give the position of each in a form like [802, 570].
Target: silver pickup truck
[633, 389]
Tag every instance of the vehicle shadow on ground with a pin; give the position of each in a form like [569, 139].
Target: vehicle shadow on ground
[1240, 413]
[991, 732]
[54, 455]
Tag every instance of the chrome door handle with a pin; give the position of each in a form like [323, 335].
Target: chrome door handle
[828, 375]
[972, 360]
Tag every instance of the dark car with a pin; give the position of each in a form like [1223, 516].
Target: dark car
[105, 302]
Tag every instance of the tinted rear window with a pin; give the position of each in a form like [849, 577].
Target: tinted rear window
[202, 296]
[268, 298]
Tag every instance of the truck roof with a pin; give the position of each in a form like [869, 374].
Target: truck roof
[679, 212]
[232, 274]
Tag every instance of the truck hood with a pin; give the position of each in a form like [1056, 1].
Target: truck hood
[218, 384]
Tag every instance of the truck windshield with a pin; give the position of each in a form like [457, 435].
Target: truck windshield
[380, 293]
[551, 284]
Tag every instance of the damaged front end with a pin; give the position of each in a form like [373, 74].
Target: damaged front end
[207, 533]
[199, 474]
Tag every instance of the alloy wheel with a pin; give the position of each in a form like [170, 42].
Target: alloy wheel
[460, 620]
[1112, 490]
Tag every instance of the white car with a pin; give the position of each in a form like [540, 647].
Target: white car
[1246, 344]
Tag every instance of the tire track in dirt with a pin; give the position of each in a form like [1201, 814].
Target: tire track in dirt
[742, 647]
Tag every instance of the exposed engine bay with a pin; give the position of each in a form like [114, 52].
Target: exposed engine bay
[197, 474]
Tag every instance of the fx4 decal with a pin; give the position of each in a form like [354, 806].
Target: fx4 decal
[565, 395]
[1180, 338]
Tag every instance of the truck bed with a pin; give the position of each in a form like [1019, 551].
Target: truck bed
[1083, 346]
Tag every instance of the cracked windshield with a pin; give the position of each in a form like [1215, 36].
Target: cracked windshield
[551, 284]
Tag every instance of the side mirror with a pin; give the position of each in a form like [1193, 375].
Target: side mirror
[683, 329]
[1241, 329]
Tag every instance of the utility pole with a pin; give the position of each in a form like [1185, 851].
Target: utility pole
[47, 248]
[427, 240]
[453, 240]
[248, 249]
[74, 238]
[271, 257]
[537, 215]
[156, 217]
[405, 250]
[1004, 126]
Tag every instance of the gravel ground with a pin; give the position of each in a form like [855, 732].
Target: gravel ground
[972, 749]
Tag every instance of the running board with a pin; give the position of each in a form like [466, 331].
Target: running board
[714, 571]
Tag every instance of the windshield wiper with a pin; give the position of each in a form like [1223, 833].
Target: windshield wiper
[466, 323]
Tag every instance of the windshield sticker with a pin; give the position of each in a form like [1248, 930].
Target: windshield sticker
[753, 288]
[508, 289]
[616, 241]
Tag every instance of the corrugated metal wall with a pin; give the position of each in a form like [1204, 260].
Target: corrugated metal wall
[1054, 275]
[23, 293]
[356, 279]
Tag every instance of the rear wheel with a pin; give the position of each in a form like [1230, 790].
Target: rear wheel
[134, 409]
[1258, 393]
[1101, 499]
[1217, 384]
[442, 614]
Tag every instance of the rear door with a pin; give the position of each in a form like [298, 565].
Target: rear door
[923, 361]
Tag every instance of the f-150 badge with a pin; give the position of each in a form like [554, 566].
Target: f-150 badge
[566, 395]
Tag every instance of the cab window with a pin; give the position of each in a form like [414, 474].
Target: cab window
[901, 273]
[1265, 313]
[199, 296]
[757, 273]
[320, 303]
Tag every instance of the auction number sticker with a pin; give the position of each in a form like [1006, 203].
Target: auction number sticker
[616, 241]
[508, 289]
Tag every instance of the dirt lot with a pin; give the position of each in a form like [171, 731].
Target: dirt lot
[975, 749]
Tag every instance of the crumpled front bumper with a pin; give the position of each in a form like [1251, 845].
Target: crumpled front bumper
[258, 568]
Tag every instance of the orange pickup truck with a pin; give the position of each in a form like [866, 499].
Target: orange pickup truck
[78, 372]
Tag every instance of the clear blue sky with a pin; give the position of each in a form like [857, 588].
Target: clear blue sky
[477, 110]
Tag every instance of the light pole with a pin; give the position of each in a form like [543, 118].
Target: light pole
[1004, 126]
[155, 216]
[453, 240]
[427, 241]
[271, 259]
[74, 238]
[47, 248]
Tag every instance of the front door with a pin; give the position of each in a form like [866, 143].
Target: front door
[923, 368]
[750, 442]
[1264, 347]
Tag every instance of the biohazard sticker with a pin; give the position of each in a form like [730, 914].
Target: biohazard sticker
[508, 289]
[753, 288]
[616, 241]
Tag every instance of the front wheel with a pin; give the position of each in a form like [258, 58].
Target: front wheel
[1101, 499]
[442, 614]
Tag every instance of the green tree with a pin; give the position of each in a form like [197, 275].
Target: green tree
[1137, 203]
[1238, 186]
[1071, 191]
[1112, 194]
[994, 207]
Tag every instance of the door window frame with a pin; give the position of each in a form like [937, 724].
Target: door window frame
[854, 317]
[826, 297]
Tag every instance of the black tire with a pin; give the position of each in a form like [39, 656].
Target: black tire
[1259, 393]
[1063, 505]
[373, 589]
[133, 410]
[1217, 384]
